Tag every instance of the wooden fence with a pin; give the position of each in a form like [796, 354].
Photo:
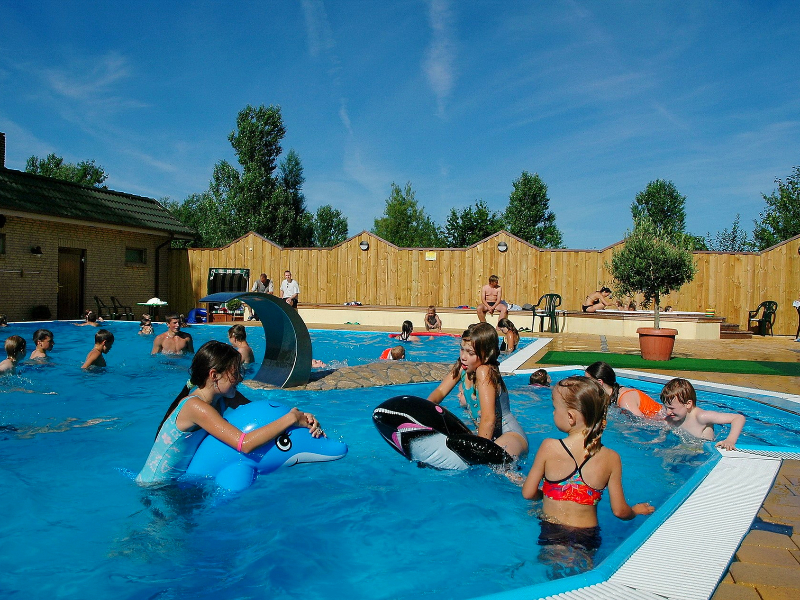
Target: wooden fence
[386, 275]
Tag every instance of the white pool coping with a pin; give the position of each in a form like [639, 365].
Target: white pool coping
[521, 356]
[684, 549]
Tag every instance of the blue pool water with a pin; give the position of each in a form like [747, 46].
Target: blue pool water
[369, 526]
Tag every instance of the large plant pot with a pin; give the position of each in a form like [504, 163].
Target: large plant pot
[656, 344]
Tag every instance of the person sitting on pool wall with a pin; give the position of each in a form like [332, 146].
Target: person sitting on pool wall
[573, 472]
[215, 373]
[173, 341]
[680, 401]
[43, 342]
[486, 396]
[432, 320]
[103, 340]
[599, 300]
[634, 401]
[491, 300]
[15, 351]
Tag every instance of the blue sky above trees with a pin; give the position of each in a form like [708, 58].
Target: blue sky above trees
[456, 97]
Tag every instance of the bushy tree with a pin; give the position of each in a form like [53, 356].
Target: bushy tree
[469, 226]
[404, 223]
[85, 172]
[528, 214]
[663, 204]
[330, 227]
[652, 262]
[734, 239]
[781, 219]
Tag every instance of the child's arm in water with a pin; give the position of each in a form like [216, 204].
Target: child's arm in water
[531, 489]
[616, 495]
[197, 412]
[736, 421]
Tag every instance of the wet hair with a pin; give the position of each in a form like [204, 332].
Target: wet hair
[605, 289]
[508, 325]
[3, 320]
[494, 279]
[486, 345]
[539, 377]
[406, 330]
[14, 346]
[238, 333]
[223, 358]
[398, 353]
[41, 335]
[103, 335]
[170, 316]
[604, 372]
[90, 316]
[586, 395]
[681, 390]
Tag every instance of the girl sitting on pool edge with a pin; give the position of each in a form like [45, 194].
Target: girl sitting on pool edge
[215, 371]
[486, 396]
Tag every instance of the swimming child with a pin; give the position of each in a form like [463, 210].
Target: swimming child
[406, 331]
[576, 470]
[15, 351]
[237, 336]
[510, 335]
[482, 390]
[89, 318]
[680, 400]
[103, 340]
[634, 401]
[432, 320]
[215, 373]
[395, 353]
[43, 340]
[146, 325]
[540, 378]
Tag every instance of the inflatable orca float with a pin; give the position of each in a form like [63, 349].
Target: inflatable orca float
[235, 471]
[428, 433]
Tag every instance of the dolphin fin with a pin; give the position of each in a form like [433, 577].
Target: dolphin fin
[477, 450]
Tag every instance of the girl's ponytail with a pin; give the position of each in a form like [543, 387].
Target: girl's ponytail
[586, 396]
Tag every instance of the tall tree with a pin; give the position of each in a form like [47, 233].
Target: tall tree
[734, 239]
[85, 172]
[405, 223]
[528, 214]
[330, 227]
[469, 226]
[663, 204]
[781, 219]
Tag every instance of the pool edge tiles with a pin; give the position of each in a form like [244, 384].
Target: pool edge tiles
[518, 358]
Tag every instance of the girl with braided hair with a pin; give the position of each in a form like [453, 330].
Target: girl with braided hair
[577, 469]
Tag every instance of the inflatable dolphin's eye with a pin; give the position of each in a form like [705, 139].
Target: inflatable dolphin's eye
[283, 443]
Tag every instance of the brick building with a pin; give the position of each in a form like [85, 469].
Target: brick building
[62, 244]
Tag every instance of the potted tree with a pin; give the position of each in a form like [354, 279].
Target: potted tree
[653, 263]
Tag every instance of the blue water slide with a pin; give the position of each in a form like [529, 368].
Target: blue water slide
[287, 354]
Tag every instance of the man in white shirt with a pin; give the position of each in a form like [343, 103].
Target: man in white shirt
[263, 285]
[290, 290]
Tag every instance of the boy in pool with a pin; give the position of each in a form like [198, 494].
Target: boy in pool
[43, 340]
[237, 336]
[146, 325]
[394, 353]
[15, 350]
[680, 401]
[89, 318]
[103, 340]
[173, 341]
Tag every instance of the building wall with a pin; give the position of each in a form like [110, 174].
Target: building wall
[385, 275]
[27, 280]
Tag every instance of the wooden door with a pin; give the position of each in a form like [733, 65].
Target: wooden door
[70, 283]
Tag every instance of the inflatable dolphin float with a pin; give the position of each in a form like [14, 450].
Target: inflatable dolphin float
[430, 434]
[235, 471]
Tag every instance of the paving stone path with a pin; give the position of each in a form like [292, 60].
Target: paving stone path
[385, 372]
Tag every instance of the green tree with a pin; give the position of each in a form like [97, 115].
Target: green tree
[405, 223]
[85, 172]
[663, 204]
[734, 239]
[528, 214]
[469, 226]
[781, 219]
[330, 227]
[652, 262]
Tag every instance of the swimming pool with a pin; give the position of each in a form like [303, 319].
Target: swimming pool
[369, 526]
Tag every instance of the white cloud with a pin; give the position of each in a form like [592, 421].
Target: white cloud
[438, 65]
[318, 29]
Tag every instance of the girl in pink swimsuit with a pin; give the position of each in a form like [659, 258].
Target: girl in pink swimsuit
[576, 470]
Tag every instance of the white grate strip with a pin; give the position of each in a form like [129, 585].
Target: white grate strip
[702, 535]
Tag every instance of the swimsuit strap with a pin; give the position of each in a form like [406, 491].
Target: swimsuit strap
[578, 467]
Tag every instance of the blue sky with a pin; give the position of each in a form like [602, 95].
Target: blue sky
[458, 98]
